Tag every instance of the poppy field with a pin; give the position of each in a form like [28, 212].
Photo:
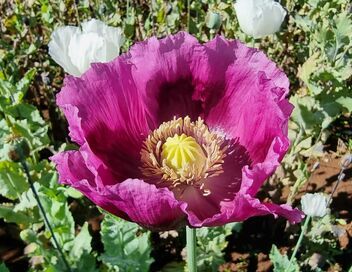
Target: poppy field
[152, 135]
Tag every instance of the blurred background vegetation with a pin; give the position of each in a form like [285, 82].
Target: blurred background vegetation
[314, 48]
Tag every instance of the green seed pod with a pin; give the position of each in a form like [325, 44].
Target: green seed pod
[213, 20]
[18, 149]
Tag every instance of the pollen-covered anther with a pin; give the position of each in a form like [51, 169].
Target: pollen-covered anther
[183, 152]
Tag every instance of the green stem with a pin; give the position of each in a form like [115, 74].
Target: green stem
[191, 249]
[303, 231]
[42, 210]
[77, 13]
[188, 14]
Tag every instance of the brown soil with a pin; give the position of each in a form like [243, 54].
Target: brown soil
[11, 247]
[249, 250]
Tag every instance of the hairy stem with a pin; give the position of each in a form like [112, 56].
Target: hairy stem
[191, 249]
[41, 208]
[298, 244]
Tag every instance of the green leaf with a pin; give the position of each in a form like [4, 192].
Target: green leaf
[9, 215]
[23, 85]
[26, 122]
[306, 113]
[343, 25]
[304, 22]
[72, 192]
[210, 245]
[81, 243]
[18, 91]
[345, 102]
[81, 251]
[7, 90]
[308, 68]
[281, 262]
[27, 200]
[126, 245]
[86, 263]
[34, 132]
[12, 180]
[3, 268]
[59, 216]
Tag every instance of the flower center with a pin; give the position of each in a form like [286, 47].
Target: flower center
[182, 150]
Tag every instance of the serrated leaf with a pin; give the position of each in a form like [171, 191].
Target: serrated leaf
[304, 114]
[304, 144]
[36, 134]
[4, 132]
[81, 243]
[126, 246]
[303, 22]
[86, 263]
[308, 68]
[281, 262]
[9, 215]
[27, 112]
[210, 245]
[6, 88]
[12, 181]
[26, 122]
[343, 25]
[27, 200]
[23, 85]
[345, 102]
[59, 216]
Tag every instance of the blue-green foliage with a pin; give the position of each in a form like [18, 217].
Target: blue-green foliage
[127, 246]
[281, 262]
[210, 245]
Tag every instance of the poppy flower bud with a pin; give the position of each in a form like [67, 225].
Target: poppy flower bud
[213, 20]
[346, 161]
[19, 148]
[314, 204]
[259, 18]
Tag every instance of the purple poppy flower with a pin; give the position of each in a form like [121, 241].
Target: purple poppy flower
[175, 132]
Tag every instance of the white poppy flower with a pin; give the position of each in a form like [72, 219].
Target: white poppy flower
[74, 49]
[314, 204]
[259, 18]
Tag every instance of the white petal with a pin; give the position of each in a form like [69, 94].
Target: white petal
[107, 52]
[75, 49]
[59, 47]
[94, 26]
[259, 18]
[83, 49]
[113, 39]
[270, 19]
[114, 35]
[245, 15]
[314, 204]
